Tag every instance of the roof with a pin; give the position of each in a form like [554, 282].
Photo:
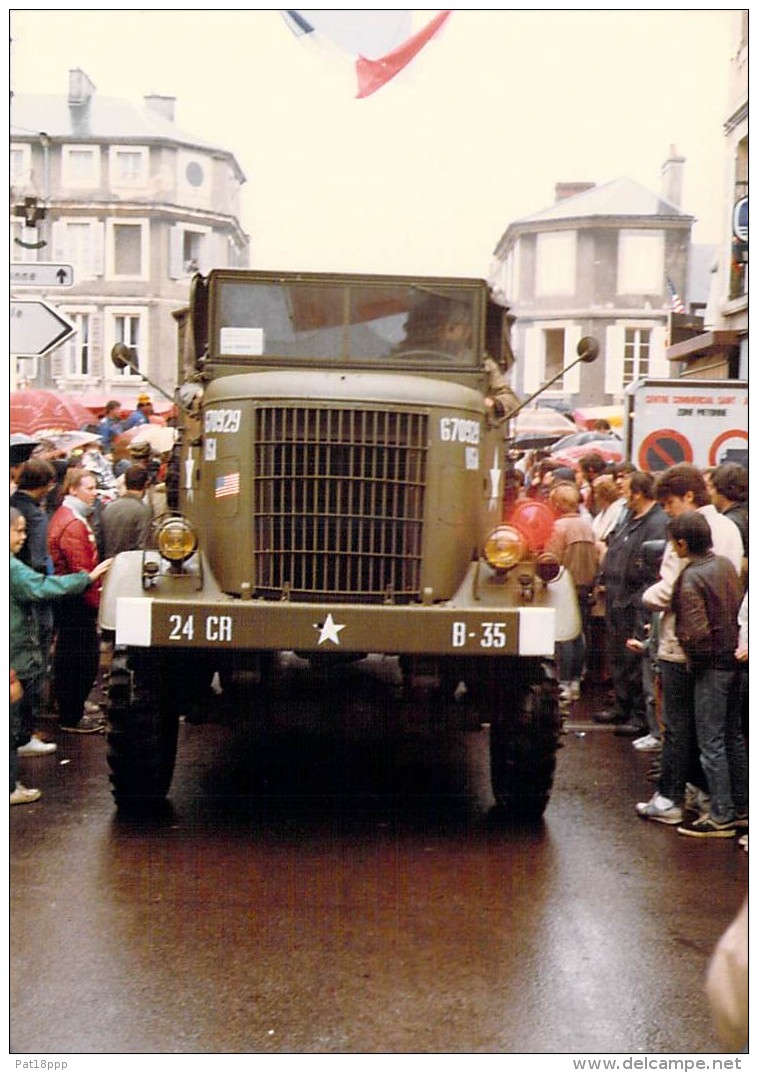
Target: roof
[621, 197]
[111, 119]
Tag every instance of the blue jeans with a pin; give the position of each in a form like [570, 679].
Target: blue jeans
[569, 658]
[679, 743]
[719, 738]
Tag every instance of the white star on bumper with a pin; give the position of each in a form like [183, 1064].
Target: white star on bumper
[329, 630]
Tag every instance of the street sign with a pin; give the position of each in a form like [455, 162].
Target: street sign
[41, 274]
[37, 328]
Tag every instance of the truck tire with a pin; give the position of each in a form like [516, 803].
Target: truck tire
[143, 724]
[524, 738]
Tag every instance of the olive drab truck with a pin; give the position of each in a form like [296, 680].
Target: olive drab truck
[337, 491]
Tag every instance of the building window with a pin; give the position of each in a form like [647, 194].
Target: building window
[128, 165]
[555, 344]
[640, 263]
[636, 354]
[193, 177]
[128, 326]
[80, 166]
[738, 274]
[77, 353]
[79, 242]
[127, 249]
[556, 264]
[20, 165]
[189, 252]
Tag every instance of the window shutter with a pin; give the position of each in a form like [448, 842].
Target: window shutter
[571, 379]
[614, 360]
[175, 248]
[533, 359]
[97, 249]
[96, 345]
[57, 364]
[659, 363]
[60, 252]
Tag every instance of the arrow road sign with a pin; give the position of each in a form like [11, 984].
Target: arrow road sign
[36, 328]
[41, 274]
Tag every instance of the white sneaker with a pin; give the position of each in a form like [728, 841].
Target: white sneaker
[656, 809]
[22, 796]
[37, 747]
[647, 744]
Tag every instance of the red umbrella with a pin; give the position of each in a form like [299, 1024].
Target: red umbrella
[46, 411]
[610, 450]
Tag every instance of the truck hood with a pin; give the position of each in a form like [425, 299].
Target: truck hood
[282, 385]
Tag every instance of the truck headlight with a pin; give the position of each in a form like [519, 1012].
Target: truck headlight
[504, 547]
[547, 567]
[177, 540]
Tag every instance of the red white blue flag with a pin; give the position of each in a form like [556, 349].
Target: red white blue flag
[381, 42]
[677, 305]
[228, 485]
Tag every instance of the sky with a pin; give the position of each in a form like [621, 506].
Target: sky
[425, 175]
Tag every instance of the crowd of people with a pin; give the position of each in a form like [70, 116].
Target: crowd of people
[76, 501]
[660, 567]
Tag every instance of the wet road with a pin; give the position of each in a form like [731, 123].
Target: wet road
[353, 893]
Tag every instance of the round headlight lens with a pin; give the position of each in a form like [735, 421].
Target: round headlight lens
[177, 540]
[505, 547]
[547, 567]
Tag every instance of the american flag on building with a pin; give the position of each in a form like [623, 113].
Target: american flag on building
[677, 305]
[228, 485]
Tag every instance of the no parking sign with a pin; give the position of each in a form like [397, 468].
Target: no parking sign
[698, 421]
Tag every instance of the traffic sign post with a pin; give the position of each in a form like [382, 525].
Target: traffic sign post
[42, 274]
[37, 328]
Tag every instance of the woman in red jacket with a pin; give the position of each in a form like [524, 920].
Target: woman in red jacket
[73, 547]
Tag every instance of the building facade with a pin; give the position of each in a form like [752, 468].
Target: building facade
[136, 207]
[602, 261]
[720, 348]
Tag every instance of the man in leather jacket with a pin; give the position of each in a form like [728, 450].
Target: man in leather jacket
[706, 601]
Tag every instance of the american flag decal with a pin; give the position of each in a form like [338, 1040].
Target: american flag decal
[228, 485]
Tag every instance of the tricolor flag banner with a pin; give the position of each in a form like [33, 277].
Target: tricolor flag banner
[228, 485]
[382, 42]
[677, 305]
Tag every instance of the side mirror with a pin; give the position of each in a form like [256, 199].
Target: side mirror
[124, 357]
[588, 348]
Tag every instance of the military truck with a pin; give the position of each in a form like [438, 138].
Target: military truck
[338, 492]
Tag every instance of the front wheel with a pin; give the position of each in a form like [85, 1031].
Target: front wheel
[525, 732]
[143, 725]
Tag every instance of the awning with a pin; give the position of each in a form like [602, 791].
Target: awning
[708, 344]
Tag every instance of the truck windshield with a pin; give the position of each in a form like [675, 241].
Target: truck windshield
[346, 322]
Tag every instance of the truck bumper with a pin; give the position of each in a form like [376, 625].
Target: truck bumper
[146, 622]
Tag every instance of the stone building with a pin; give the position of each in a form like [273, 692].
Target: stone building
[718, 346]
[135, 205]
[602, 261]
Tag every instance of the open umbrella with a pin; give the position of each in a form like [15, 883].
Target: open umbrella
[538, 427]
[610, 450]
[34, 411]
[160, 437]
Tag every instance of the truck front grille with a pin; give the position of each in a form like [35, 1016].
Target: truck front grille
[338, 503]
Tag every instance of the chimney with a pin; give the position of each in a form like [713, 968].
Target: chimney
[564, 190]
[80, 87]
[162, 106]
[672, 174]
